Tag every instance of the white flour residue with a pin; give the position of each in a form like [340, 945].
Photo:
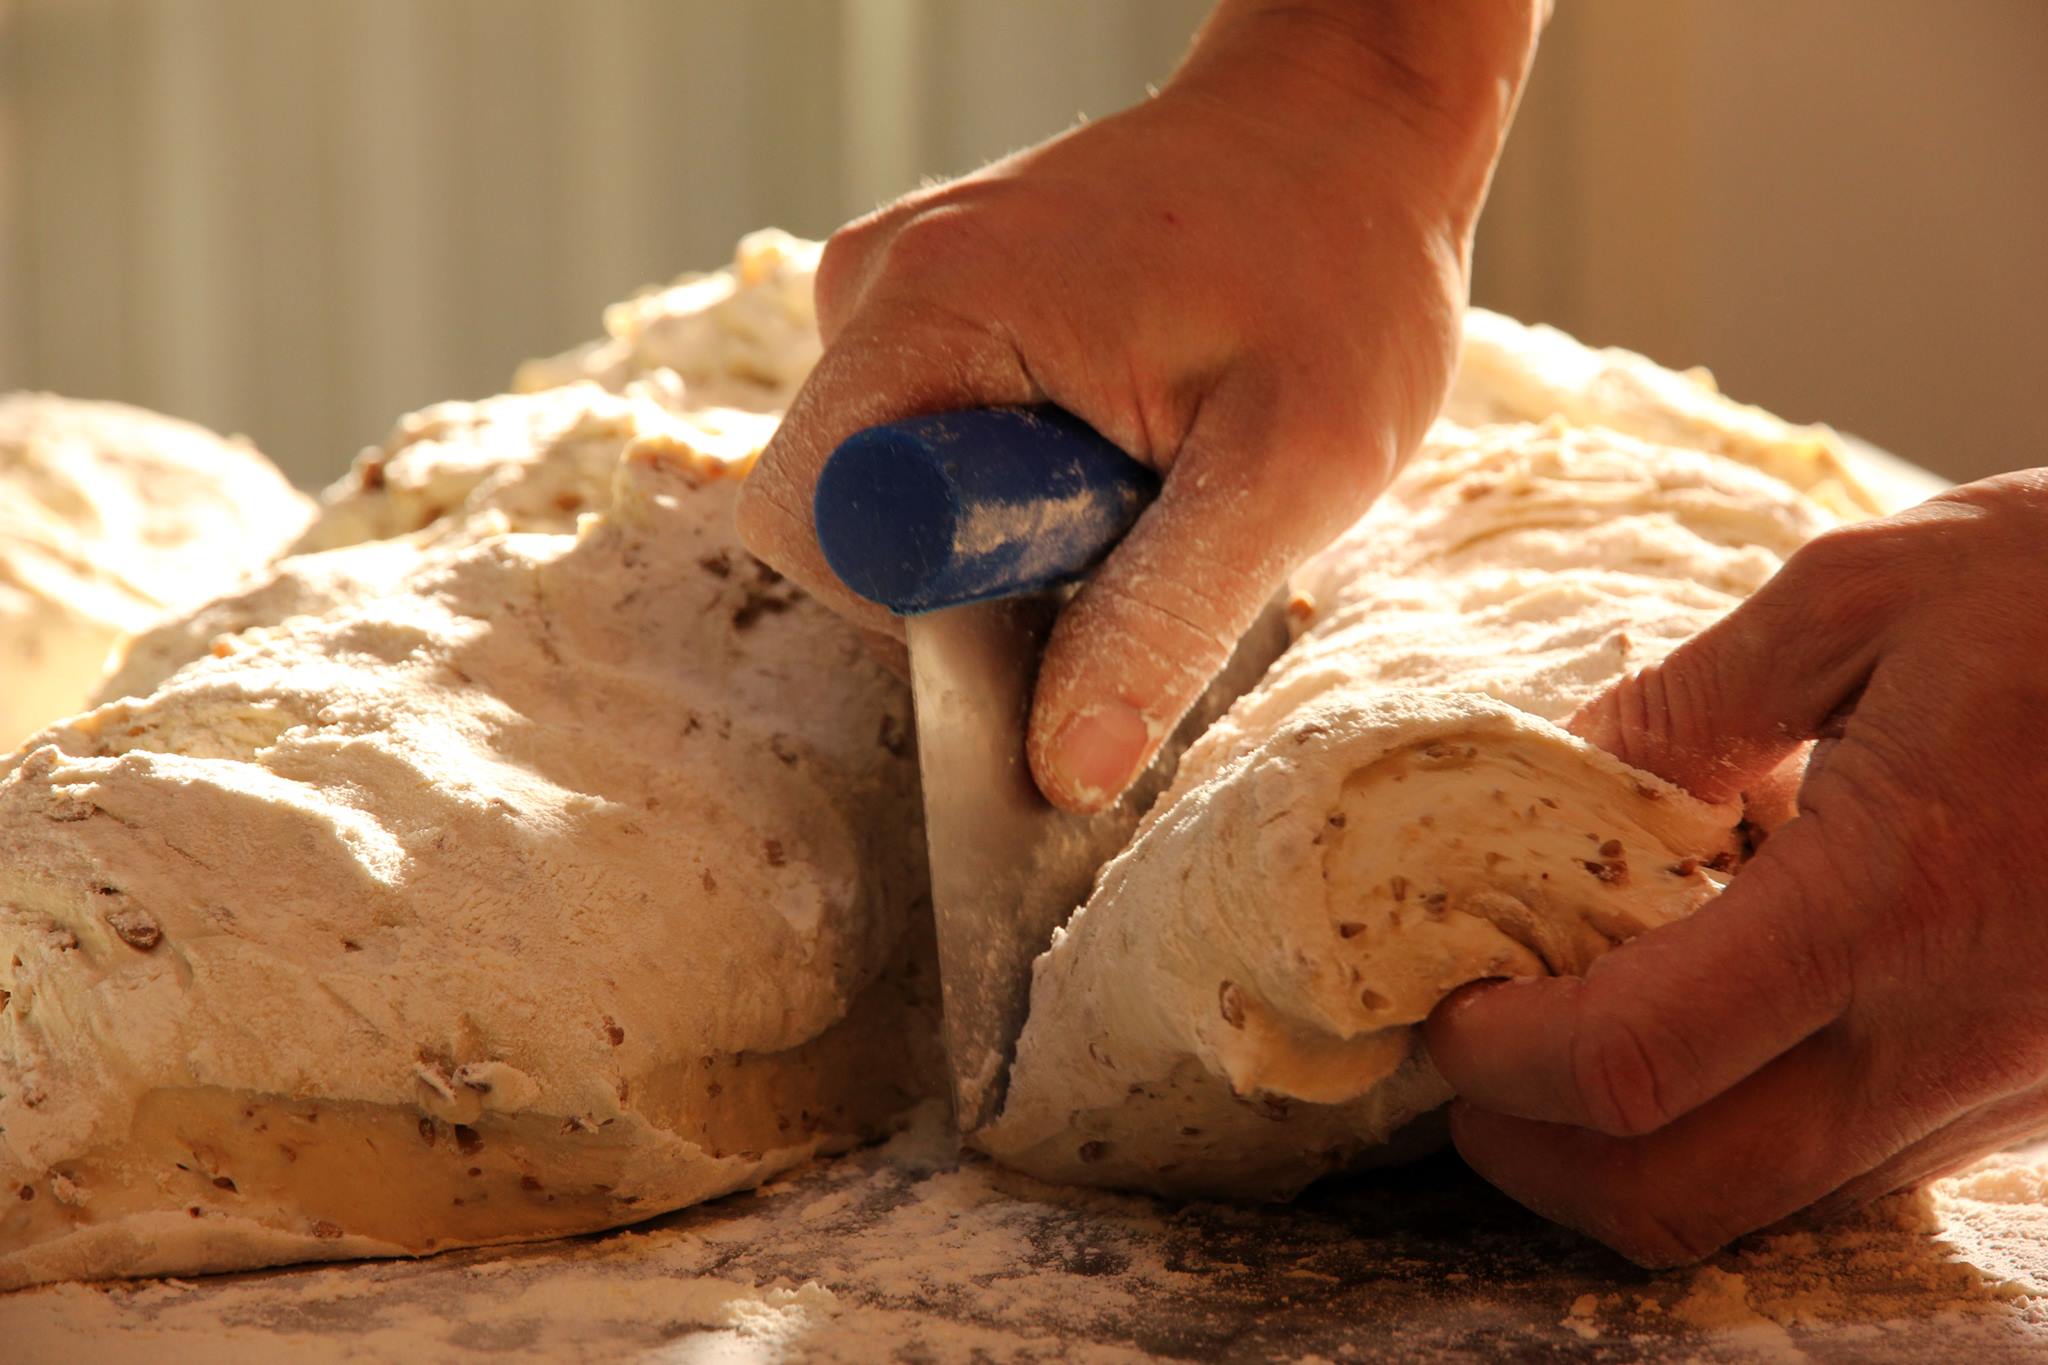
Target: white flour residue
[905, 1251]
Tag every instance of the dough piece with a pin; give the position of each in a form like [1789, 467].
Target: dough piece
[110, 516]
[451, 474]
[746, 336]
[1510, 371]
[515, 462]
[1535, 564]
[743, 337]
[1391, 813]
[574, 882]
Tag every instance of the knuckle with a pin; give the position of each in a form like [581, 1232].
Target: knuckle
[762, 521]
[1672, 702]
[1844, 574]
[1188, 630]
[1115, 640]
[941, 242]
[843, 268]
[1619, 1076]
[2019, 498]
[1816, 951]
[1859, 545]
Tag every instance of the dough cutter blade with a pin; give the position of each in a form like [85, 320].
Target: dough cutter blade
[1007, 866]
[972, 525]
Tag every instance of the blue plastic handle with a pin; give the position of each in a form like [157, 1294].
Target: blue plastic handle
[967, 506]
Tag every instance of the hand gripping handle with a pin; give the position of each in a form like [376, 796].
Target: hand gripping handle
[967, 506]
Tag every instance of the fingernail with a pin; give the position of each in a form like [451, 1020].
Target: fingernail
[1097, 752]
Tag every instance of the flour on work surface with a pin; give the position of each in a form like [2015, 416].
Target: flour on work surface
[109, 517]
[904, 1251]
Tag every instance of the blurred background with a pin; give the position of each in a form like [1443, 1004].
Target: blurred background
[298, 219]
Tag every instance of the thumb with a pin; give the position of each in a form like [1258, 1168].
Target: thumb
[1737, 700]
[1137, 645]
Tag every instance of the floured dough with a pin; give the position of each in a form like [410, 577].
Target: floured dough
[744, 337]
[110, 516]
[449, 475]
[516, 462]
[1510, 371]
[1391, 813]
[571, 882]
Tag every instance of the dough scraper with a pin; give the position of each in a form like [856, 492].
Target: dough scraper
[973, 526]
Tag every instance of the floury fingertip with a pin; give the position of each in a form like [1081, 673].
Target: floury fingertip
[1095, 754]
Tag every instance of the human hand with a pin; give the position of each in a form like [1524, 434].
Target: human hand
[1252, 283]
[1861, 1009]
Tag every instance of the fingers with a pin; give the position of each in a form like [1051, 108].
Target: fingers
[1667, 1021]
[890, 363]
[851, 261]
[1808, 1131]
[1773, 1145]
[1242, 505]
[1733, 702]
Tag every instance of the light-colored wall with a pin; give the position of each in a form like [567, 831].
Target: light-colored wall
[298, 218]
[1841, 206]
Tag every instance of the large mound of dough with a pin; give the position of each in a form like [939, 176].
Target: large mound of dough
[571, 882]
[519, 857]
[1510, 371]
[449, 475]
[109, 517]
[1393, 812]
[746, 336]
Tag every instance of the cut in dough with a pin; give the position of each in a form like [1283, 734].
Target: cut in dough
[573, 881]
[1393, 812]
[109, 517]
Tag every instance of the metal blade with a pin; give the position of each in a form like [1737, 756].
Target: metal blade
[1007, 867]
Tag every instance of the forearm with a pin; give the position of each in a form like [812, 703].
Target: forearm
[1420, 88]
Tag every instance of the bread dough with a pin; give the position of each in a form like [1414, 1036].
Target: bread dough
[449, 475]
[1391, 813]
[109, 516]
[1510, 371]
[522, 858]
[551, 890]
[744, 337]
[516, 462]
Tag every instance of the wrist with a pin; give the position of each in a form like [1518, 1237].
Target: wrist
[1423, 90]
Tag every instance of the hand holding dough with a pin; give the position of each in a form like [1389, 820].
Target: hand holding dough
[1862, 1010]
[1390, 814]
